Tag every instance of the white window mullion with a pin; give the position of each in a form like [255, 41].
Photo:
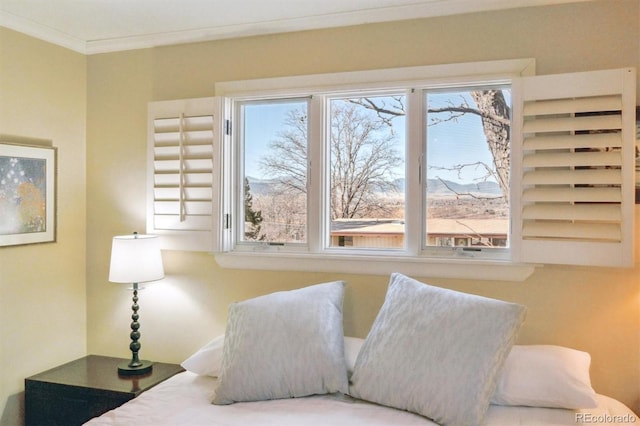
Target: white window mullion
[317, 204]
[415, 173]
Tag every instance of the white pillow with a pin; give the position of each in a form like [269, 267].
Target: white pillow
[207, 361]
[284, 345]
[352, 346]
[435, 352]
[545, 376]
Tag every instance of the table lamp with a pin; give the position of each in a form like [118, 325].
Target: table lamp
[135, 259]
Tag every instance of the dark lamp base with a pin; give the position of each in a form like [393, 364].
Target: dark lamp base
[125, 370]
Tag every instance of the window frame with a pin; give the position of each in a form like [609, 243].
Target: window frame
[412, 259]
[495, 253]
[325, 234]
[237, 156]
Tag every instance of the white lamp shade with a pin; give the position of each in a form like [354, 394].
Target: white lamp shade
[136, 259]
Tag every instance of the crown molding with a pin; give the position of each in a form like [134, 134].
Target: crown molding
[423, 9]
[42, 32]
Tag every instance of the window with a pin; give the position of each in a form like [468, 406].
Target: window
[273, 146]
[467, 168]
[414, 169]
[366, 171]
[362, 193]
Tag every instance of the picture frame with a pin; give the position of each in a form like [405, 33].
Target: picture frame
[637, 155]
[27, 194]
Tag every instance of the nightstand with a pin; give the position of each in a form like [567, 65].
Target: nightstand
[75, 392]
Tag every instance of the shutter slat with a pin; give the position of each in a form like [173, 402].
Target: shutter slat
[574, 105]
[194, 208]
[189, 193]
[190, 179]
[190, 123]
[572, 159]
[573, 177]
[573, 212]
[192, 165]
[189, 151]
[198, 137]
[584, 195]
[597, 140]
[596, 122]
[190, 223]
[573, 231]
[202, 122]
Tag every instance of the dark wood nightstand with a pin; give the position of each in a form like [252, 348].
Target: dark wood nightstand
[75, 392]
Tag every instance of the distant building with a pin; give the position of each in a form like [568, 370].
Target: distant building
[389, 233]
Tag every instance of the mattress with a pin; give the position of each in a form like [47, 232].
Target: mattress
[185, 399]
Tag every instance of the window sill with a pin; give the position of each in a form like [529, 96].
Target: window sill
[378, 265]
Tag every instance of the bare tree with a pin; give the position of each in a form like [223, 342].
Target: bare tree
[362, 159]
[287, 160]
[492, 108]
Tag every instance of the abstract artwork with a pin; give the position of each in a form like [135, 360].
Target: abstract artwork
[27, 194]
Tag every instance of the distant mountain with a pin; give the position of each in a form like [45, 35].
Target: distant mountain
[437, 186]
[260, 186]
[434, 186]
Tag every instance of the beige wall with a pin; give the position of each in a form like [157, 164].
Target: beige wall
[43, 286]
[596, 310]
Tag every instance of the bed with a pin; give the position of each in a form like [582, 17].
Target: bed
[185, 399]
[432, 357]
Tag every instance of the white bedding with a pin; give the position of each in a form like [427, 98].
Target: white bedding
[185, 399]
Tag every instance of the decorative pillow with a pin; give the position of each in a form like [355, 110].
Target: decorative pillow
[283, 345]
[545, 376]
[435, 352]
[207, 360]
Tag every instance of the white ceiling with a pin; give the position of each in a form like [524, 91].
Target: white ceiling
[96, 26]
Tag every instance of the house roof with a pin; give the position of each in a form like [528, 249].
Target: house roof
[486, 227]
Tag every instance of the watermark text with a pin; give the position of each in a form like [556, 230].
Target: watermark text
[590, 418]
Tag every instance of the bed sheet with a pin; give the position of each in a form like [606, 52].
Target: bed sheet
[185, 399]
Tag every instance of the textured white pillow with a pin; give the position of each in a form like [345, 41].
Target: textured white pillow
[435, 352]
[283, 345]
[545, 376]
[207, 361]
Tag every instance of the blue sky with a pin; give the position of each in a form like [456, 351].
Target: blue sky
[457, 142]
[264, 122]
[449, 143]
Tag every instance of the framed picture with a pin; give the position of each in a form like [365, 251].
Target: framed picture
[27, 194]
[638, 155]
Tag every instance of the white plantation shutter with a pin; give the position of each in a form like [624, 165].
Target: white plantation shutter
[575, 168]
[184, 173]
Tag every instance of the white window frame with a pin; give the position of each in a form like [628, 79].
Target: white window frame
[456, 264]
[237, 153]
